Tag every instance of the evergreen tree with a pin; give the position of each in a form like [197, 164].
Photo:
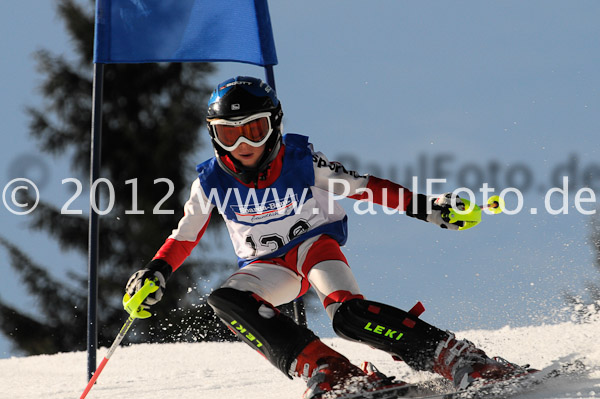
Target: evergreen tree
[152, 120]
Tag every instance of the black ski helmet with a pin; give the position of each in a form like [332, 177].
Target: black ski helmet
[237, 98]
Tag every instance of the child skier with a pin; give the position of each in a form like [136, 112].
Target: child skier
[273, 192]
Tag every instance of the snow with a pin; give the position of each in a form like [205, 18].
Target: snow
[233, 370]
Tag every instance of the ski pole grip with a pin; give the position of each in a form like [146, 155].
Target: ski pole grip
[471, 216]
[133, 305]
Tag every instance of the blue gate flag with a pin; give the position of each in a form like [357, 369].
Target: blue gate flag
[135, 31]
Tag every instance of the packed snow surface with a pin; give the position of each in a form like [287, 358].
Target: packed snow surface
[233, 370]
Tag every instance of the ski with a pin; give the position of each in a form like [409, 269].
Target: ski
[403, 391]
[497, 390]
[512, 387]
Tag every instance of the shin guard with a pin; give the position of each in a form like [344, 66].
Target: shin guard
[392, 330]
[256, 322]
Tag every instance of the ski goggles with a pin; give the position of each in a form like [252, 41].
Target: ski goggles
[253, 130]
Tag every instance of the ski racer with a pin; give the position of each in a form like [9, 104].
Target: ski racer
[274, 192]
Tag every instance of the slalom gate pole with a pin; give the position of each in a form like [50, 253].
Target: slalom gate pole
[298, 309]
[94, 221]
[133, 306]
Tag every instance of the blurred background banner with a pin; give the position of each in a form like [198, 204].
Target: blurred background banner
[184, 31]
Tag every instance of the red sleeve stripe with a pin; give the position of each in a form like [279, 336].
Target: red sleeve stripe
[174, 252]
[386, 193]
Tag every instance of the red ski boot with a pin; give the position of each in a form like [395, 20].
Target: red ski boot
[465, 364]
[329, 374]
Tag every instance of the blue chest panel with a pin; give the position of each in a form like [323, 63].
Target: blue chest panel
[246, 205]
[267, 223]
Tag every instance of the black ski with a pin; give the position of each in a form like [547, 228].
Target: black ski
[512, 387]
[497, 390]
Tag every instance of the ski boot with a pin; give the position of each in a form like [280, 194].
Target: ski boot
[466, 365]
[330, 375]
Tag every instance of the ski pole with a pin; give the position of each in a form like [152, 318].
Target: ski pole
[133, 306]
[472, 217]
[495, 204]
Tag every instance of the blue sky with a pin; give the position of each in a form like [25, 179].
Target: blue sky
[474, 91]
